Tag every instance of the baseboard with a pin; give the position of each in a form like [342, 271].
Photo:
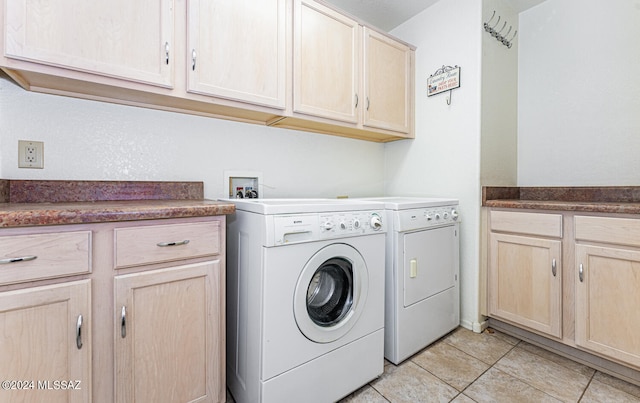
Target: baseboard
[476, 327]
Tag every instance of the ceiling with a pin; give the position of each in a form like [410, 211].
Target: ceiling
[388, 14]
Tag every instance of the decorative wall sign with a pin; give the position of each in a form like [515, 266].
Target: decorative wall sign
[444, 79]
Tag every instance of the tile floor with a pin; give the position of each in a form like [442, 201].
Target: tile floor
[491, 367]
[466, 367]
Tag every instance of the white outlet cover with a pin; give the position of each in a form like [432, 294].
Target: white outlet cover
[30, 154]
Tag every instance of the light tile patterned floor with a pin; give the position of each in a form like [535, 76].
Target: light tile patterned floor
[466, 367]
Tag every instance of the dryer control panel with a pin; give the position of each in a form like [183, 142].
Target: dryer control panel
[415, 219]
[297, 228]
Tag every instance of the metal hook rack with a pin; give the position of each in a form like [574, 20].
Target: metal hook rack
[491, 29]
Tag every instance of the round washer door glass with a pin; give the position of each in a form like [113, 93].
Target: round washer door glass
[330, 293]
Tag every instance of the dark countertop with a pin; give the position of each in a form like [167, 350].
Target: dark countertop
[29, 203]
[603, 199]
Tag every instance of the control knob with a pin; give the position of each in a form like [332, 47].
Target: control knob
[376, 222]
[356, 223]
[454, 215]
[437, 216]
[343, 225]
[328, 225]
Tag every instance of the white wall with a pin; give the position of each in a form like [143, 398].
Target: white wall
[89, 140]
[498, 161]
[579, 94]
[444, 158]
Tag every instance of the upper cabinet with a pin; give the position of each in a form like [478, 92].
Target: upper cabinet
[348, 79]
[237, 50]
[352, 78]
[132, 40]
[297, 64]
[326, 63]
[388, 83]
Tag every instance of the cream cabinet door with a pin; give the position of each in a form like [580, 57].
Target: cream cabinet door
[237, 50]
[525, 282]
[127, 39]
[169, 344]
[608, 301]
[388, 80]
[325, 63]
[45, 340]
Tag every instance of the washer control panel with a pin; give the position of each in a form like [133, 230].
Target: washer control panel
[351, 223]
[414, 219]
[296, 228]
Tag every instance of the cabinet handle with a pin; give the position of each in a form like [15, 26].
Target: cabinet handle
[166, 52]
[368, 103]
[79, 332]
[554, 269]
[581, 273]
[123, 322]
[193, 59]
[18, 259]
[164, 244]
[356, 100]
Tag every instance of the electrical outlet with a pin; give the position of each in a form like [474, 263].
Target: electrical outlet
[30, 154]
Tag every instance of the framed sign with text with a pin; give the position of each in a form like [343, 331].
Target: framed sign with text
[444, 79]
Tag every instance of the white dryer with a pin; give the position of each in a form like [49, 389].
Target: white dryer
[305, 299]
[422, 292]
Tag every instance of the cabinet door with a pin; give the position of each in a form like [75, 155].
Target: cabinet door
[388, 80]
[39, 342]
[607, 301]
[169, 345]
[326, 67]
[120, 38]
[525, 285]
[237, 50]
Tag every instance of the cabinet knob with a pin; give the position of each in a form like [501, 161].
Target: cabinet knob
[166, 52]
[17, 259]
[554, 269]
[193, 59]
[165, 244]
[123, 322]
[581, 273]
[79, 332]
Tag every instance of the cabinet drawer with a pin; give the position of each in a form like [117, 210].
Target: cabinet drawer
[162, 243]
[549, 225]
[42, 256]
[619, 231]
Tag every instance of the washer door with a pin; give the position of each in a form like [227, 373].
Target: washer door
[330, 293]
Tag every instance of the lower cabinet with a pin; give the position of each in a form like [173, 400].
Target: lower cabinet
[167, 344]
[45, 343]
[525, 270]
[113, 312]
[525, 282]
[607, 287]
[600, 291]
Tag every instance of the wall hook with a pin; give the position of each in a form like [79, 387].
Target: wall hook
[498, 33]
[495, 33]
[504, 38]
[486, 24]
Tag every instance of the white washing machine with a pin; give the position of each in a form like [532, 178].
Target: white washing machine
[422, 293]
[305, 299]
